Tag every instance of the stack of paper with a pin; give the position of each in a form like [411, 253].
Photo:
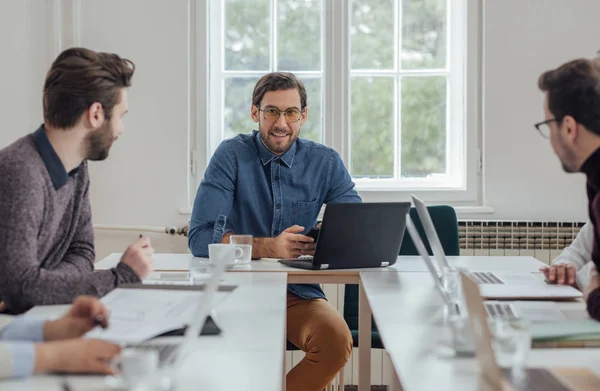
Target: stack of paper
[137, 315]
[578, 333]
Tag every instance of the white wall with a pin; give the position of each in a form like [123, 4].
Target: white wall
[523, 38]
[144, 181]
[25, 55]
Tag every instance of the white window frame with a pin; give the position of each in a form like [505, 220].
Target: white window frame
[463, 117]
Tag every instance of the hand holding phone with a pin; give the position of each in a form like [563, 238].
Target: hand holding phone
[314, 233]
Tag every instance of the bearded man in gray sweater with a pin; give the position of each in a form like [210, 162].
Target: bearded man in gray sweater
[46, 233]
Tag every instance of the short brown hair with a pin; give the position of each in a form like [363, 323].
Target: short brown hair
[574, 89]
[276, 81]
[80, 77]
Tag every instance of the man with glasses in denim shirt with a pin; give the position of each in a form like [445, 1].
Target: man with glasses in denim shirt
[572, 123]
[271, 184]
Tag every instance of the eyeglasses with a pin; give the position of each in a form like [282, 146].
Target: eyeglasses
[291, 115]
[543, 127]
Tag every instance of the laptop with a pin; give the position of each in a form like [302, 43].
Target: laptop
[357, 235]
[533, 311]
[497, 285]
[530, 379]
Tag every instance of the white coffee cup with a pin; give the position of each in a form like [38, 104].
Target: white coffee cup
[137, 365]
[219, 253]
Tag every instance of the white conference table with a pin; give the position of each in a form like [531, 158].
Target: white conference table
[248, 355]
[408, 310]
[183, 262]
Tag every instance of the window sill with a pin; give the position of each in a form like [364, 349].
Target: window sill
[474, 210]
[185, 211]
[460, 210]
[408, 186]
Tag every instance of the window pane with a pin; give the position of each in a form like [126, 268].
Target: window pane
[423, 34]
[372, 131]
[423, 126]
[299, 35]
[312, 128]
[372, 34]
[238, 100]
[247, 39]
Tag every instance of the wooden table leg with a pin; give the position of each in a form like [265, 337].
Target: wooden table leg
[364, 341]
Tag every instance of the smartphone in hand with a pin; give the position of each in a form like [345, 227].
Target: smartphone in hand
[314, 233]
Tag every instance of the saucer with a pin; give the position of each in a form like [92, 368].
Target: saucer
[117, 382]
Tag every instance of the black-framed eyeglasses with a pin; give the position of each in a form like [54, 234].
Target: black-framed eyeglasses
[291, 115]
[543, 128]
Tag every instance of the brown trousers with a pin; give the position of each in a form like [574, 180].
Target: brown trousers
[317, 328]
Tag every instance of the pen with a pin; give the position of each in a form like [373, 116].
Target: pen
[141, 236]
[99, 320]
[65, 385]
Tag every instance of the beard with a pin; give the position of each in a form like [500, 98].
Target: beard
[277, 145]
[99, 142]
[568, 158]
[567, 168]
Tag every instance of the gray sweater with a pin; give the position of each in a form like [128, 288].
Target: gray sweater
[46, 233]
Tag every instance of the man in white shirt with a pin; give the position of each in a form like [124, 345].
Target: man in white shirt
[573, 265]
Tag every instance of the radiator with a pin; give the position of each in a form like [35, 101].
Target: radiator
[540, 239]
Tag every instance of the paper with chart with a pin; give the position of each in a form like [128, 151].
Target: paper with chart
[137, 315]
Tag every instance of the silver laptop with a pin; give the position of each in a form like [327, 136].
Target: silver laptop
[533, 311]
[496, 285]
[497, 378]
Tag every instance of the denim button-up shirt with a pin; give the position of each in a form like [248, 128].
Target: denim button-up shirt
[249, 190]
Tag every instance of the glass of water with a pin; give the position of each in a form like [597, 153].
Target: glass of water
[243, 242]
[453, 287]
[460, 334]
[511, 341]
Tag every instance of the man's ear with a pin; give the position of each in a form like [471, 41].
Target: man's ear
[255, 113]
[570, 127]
[94, 115]
[304, 116]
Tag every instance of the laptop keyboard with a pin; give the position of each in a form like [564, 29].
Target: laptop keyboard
[534, 379]
[165, 351]
[500, 310]
[303, 261]
[167, 282]
[486, 278]
[302, 258]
